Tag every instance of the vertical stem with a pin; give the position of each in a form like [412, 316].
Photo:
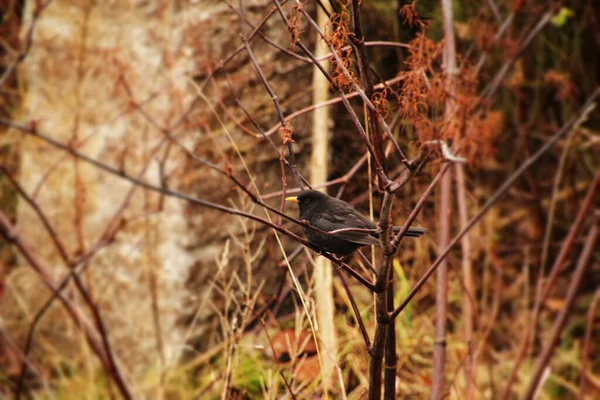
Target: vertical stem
[390, 346]
[586, 206]
[467, 270]
[366, 77]
[439, 352]
[381, 308]
[325, 305]
[79, 194]
[441, 300]
[377, 349]
[584, 261]
[96, 340]
[587, 340]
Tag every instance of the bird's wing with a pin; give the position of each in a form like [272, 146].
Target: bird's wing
[350, 218]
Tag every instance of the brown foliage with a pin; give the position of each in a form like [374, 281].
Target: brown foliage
[338, 34]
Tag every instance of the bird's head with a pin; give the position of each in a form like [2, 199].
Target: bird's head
[309, 200]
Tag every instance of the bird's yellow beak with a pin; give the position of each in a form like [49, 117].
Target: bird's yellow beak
[292, 199]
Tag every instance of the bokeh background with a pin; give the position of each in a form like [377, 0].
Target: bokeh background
[161, 295]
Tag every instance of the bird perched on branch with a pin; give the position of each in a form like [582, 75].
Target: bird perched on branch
[350, 228]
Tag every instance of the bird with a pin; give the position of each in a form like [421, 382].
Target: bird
[330, 214]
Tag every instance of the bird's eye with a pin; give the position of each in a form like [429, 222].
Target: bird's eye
[307, 200]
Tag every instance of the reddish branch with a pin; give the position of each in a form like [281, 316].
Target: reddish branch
[541, 365]
[587, 341]
[366, 80]
[32, 130]
[559, 263]
[352, 113]
[581, 114]
[367, 101]
[274, 98]
[93, 337]
[76, 266]
[491, 89]
[27, 42]
[445, 221]
[361, 324]
[441, 293]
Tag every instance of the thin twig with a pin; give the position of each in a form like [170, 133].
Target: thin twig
[27, 41]
[361, 324]
[491, 89]
[569, 242]
[576, 120]
[560, 321]
[286, 141]
[9, 232]
[469, 301]
[587, 340]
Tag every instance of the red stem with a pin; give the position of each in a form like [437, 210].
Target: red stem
[559, 324]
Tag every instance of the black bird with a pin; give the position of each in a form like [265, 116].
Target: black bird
[330, 214]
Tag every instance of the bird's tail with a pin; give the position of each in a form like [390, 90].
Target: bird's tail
[412, 232]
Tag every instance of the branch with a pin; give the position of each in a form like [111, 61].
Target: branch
[28, 40]
[288, 142]
[361, 324]
[565, 250]
[8, 231]
[571, 124]
[173, 193]
[584, 261]
[352, 113]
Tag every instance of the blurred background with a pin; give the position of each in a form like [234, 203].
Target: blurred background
[132, 131]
